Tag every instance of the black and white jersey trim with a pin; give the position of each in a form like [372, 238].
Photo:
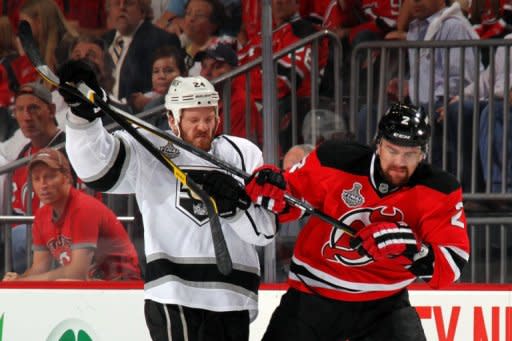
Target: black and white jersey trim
[109, 176]
[200, 275]
[233, 144]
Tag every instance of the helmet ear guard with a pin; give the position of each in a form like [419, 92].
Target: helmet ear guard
[190, 92]
[405, 125]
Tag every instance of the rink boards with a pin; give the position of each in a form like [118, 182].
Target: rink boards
[100, 311]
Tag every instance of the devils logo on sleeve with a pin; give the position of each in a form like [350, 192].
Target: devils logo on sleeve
[337, 248]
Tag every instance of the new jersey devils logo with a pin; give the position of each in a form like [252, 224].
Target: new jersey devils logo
[338, 249]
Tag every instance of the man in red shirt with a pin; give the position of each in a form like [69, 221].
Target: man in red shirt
[74, 229]
[34, 112]
[407, 219]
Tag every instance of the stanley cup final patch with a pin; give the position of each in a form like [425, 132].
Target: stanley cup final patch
[352, 197]
[169, 150]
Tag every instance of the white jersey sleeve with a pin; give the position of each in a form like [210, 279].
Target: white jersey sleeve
[177, 236]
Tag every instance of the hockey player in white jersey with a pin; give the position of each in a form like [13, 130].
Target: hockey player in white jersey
[186, 297]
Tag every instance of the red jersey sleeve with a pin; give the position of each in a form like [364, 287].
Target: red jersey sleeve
[444, 229]
[303, 182]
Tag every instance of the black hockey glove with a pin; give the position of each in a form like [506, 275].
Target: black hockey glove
[75, 72]
[384, 240]
[267, 187]
[229, 194]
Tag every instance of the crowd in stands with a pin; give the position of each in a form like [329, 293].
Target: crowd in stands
[137, 48]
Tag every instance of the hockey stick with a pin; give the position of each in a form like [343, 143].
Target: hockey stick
[87, 93]
[224, 262]
[230, 168]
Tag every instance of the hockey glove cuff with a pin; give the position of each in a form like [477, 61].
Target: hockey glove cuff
[385, 240]
[226, 190]
[75, 72]
[267, 187]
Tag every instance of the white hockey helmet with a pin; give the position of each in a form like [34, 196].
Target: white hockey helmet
[190, 92]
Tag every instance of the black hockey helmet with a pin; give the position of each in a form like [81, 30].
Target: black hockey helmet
[405, 125]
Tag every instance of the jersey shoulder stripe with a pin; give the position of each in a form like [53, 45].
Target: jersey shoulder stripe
[108, 180]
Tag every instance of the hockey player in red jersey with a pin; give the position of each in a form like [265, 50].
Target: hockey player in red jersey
[409, 222]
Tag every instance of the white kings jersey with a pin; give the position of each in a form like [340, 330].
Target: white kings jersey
[181, 266]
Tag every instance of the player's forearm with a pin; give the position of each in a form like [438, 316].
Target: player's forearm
[64, 272]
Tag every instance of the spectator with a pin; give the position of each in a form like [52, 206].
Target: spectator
[84, 47]
[492, 18]
[168, 63]
[295, 154]
[11, 8]
[15, 69]
[130, 44]
[289, 28]
[92, 49]
[499, 141]
[87, 17]
[74, 229]
[434, 21]
[483, 92]
[217, 61]
[35, 113]
[173, 18]
[51, 31]
[201, 29]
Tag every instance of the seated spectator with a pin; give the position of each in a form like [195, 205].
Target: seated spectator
[89, 49]
[15, 69]
[51, 31]
[364, 20]
[35, 114]
[173, 18]
[130, 44]
[74, 229]
[499, 141]
[201, 29]
[168, 63]
[289, 28]
[217, 61]
[434, 21]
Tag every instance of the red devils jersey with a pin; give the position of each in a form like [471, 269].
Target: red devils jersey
[238, 113]
[22, 71]
[283, 36]
[491, 22]
[343, 15]
[381, 8]
[343, 180]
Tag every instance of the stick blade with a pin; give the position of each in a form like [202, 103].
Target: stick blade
[33, 53]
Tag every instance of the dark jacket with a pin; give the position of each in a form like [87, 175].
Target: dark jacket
[135, 75]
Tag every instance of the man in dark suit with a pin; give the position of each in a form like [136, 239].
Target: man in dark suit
[131, 44]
